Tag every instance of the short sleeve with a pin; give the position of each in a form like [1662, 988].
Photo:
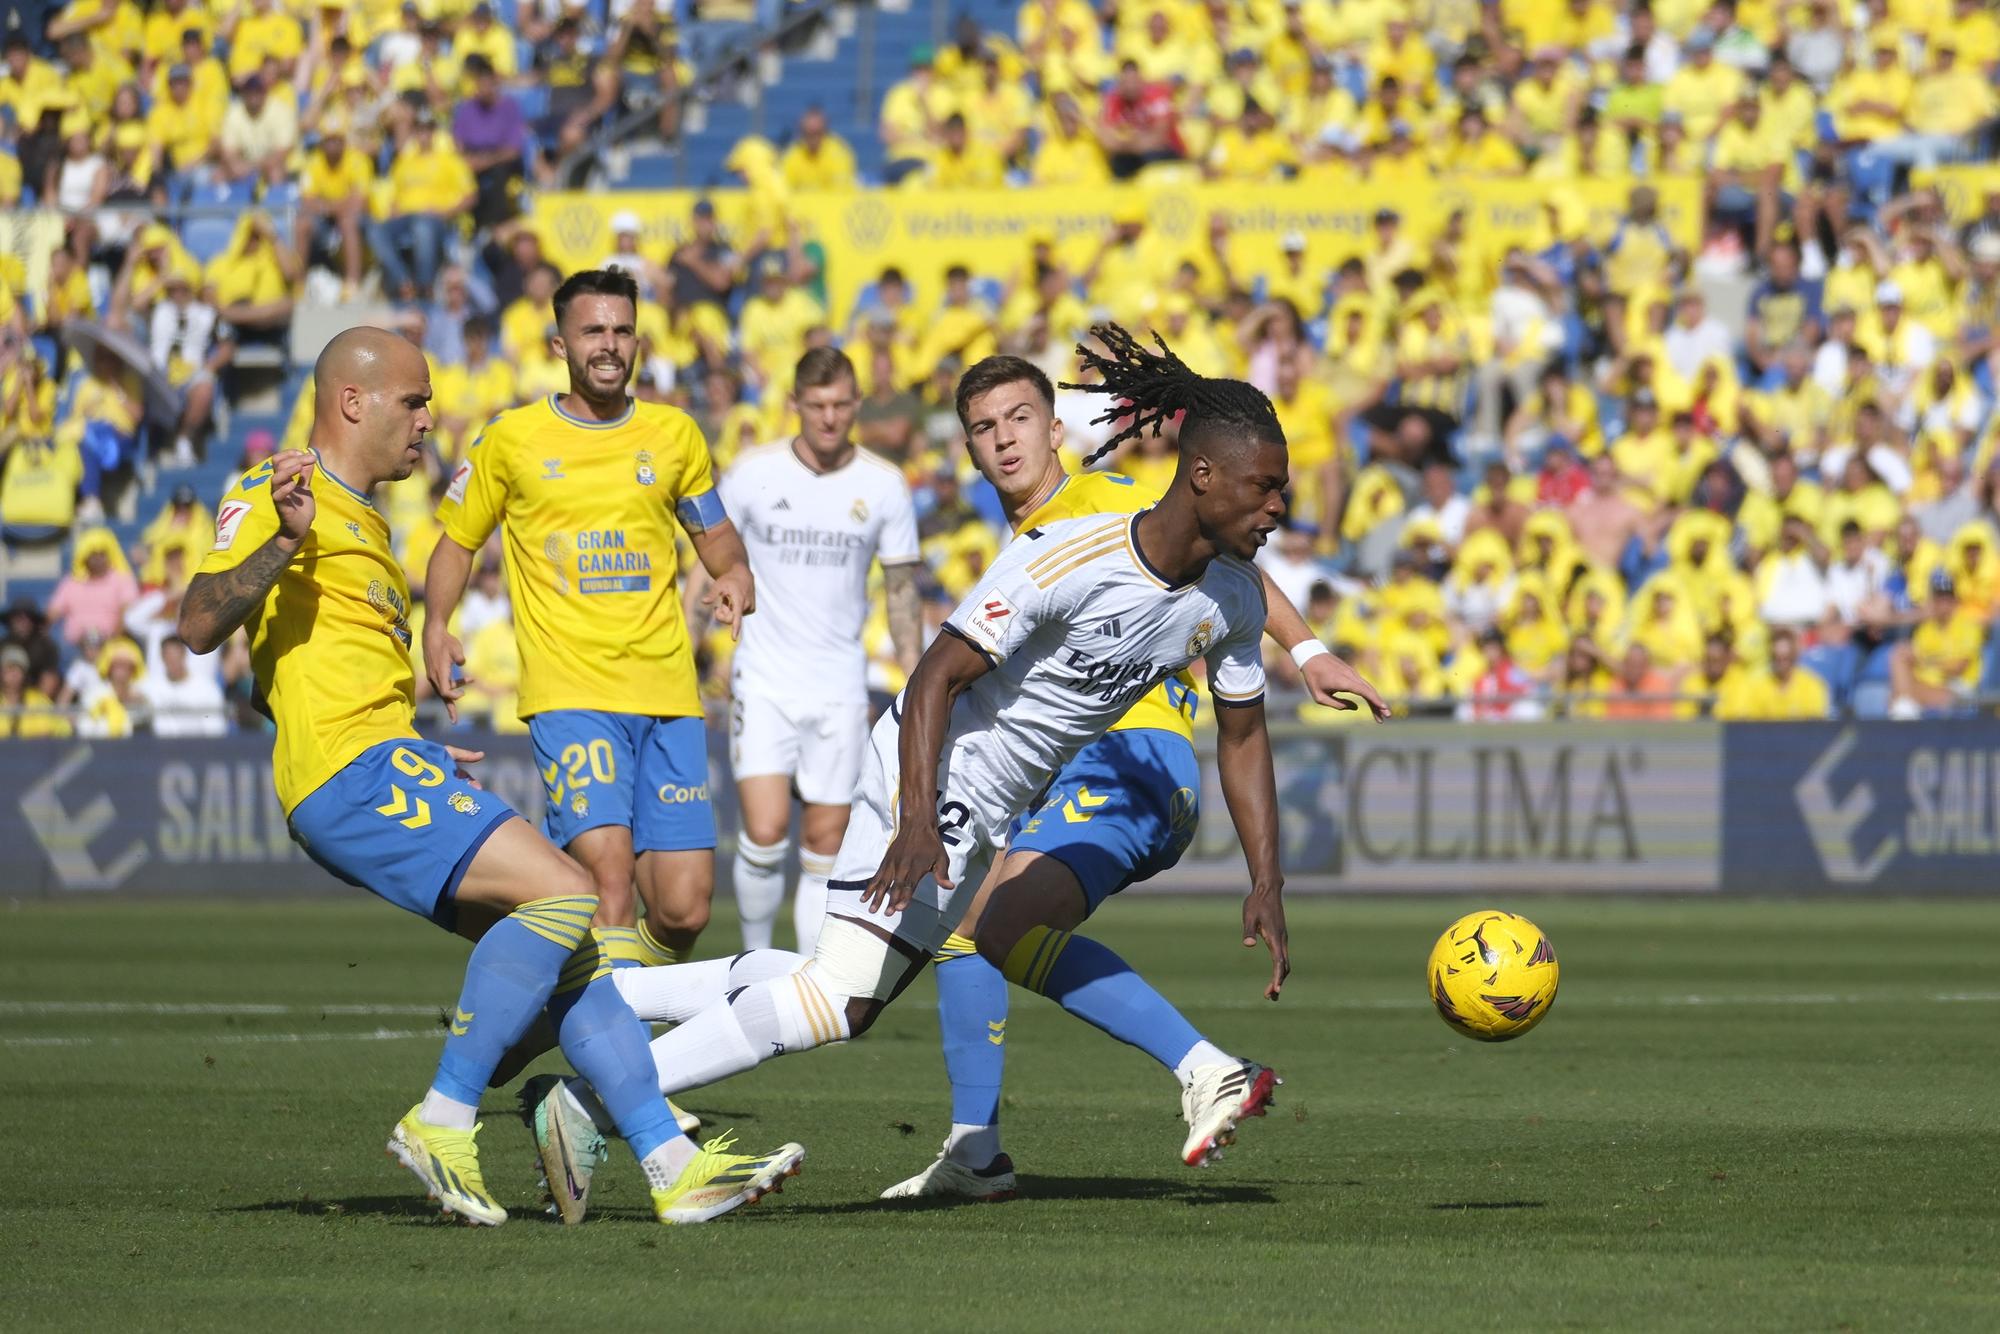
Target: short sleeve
[897, 544]
[1010, 603]
[1236, 661]
[477, 496]
[244, 521]
[696, 502]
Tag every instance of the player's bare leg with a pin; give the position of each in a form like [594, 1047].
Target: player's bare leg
[677, 888]
[606, 852]
[1025, 932]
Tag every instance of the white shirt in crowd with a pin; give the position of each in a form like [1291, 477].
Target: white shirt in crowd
[190, 706]
[1797, 594]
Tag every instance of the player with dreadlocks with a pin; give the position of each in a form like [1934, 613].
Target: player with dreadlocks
[1075, 621]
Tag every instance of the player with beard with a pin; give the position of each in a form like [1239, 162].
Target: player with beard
[587, 486]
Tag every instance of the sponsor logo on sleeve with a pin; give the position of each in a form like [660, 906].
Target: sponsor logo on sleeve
[228, 519]
[460, 477]
[991, 620]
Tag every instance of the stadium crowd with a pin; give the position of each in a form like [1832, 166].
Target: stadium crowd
[1596, 473]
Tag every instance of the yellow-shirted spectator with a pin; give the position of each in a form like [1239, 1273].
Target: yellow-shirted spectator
[467, 396]
[1941, 663]
[1433, 359]
[1546, 103]
[817, 159]
[998, 112]
[1039, 21]
[209, 80]
[333, 202]
[168, 23]
[1703, 89]
[1069, 154]
[1480, 150]
[1248, 80]
[959, 163]
[1324, 105]
[529, 320]
[1251, 150]
[1665, 625]
[482, 35]
[1869, 101]
[95, 76]
[1400, 54]
[1783, 692]
[1975, 569]
[1790, 110]
[1306, 410]
[429, 187]
[1645, 456]
[251, 283]
[1975, 31]
[1593, 151]
[268, 30]
[183, 128]
[1377, 497]
[772, 329]
[913, 111]
[26, 712]
[27, 83]
[1640, 252]
[109, 26]
[38, 486]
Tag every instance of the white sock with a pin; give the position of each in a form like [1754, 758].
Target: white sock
[809, 904]
[973, 1146]
[767, 1019]
[1202, 1053]
[438, 1110]
[760, 889]
[677, 994]
[665, 1164]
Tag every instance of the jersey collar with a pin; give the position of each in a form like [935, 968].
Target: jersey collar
[335, 478]
[1132, 540]
[555, 406]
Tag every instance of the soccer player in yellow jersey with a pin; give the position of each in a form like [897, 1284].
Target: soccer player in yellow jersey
[588, 486]
[1123, 810]
[308, 572]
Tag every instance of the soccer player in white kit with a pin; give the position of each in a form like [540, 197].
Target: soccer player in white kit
[815, 512]
[1072, 623]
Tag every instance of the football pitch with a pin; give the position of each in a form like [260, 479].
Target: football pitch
[1741, 1115]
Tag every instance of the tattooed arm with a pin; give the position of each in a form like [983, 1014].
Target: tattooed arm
[906, 613]
[216, 603]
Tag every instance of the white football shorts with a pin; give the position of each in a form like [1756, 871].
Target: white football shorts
[818, 745]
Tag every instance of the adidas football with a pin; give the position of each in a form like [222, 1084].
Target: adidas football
[1493, 975]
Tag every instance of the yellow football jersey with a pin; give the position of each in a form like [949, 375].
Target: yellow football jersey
[589, 512]
[1169, 706]
[331, 644]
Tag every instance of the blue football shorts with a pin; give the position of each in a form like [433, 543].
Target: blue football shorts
[400, 823]
[1122, 810]
[647, 774]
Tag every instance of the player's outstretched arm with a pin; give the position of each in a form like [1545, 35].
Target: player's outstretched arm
[1243, 761]
[732, 593]
[218, 601]
[946, 669]
[1327, 678]
[444, 585]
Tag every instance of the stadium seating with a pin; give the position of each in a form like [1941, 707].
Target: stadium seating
[1409, 437]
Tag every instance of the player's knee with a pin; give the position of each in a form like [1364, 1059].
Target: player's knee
[861, 1012]
[761, 854]
[690, 915]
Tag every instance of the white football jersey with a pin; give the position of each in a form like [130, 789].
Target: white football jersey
[1078, 626]
[812, 538]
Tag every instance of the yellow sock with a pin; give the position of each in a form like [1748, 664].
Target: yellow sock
[1033, 955]
[955, 947]
[622, 944]
[652, 953]
[591, 961]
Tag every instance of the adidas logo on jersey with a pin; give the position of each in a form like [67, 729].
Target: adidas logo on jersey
[1110, 628]
[782, 504]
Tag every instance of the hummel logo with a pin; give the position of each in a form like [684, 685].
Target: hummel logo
[782, 504]
[1110, 628]
[552, 470]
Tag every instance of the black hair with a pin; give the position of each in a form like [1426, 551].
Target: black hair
[989, 373]
[595, 282]
[1157, 385]
[480, 326]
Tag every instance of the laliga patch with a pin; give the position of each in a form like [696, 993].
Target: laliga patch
[228, 518]
[991, 620]
[460, 475]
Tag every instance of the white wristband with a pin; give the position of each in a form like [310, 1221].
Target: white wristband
[1306, 650]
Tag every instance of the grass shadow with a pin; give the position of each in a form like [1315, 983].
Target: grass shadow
[1492, 1204]
[1034, 1189]
[414, 1208]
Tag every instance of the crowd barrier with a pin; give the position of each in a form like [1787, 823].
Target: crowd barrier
[1773, 808]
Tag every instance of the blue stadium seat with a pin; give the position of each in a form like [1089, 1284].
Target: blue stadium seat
[207, 236]
[652, 171]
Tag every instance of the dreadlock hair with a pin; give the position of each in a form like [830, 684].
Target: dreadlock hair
[1157, 385]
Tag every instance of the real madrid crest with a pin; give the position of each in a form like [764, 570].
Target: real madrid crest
[860, 511]
[644, 459]
[1203, 636]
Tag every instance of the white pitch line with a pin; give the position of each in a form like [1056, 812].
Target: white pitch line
[244, 1010]
[229, 1039]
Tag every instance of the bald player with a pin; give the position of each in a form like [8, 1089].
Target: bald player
[308, 571]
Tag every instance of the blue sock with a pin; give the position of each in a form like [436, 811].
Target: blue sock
[1100, 988]
[512, 970]
[972, 1019]
[609, 1047]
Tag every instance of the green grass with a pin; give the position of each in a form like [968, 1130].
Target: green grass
[1812, 1147]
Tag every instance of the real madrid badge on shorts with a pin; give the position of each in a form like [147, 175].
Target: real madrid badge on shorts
[644, 458]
